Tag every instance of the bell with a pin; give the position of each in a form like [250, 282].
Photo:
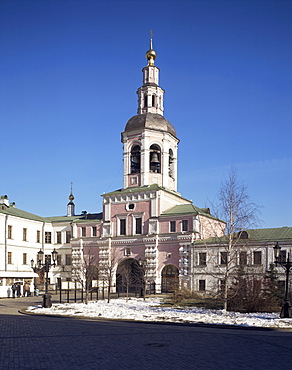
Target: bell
[135, 159]
[154, 159]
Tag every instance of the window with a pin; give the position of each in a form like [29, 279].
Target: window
[94, 231]
[280, 285]
[282, 256]
[59, 237]
[202, 285]
[185, 225]
[168, 255]
[38, 236]
[243, 258]
[9, 232]
[130, 206]
[223, 258]
[24, 258]
[170, 163]
[222, 285]
[59, 259]
[68, 236]
[172, 225]
[257, 258]
[24, 234]
[123, 226]
[9, 259]
[128, 251]
[68, 259]
[48, 237]
[155, 159]
[83, 231]
[138, 228]
[135, 159]
[153, 100]
[202, 259]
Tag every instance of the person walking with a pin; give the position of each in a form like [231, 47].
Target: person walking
[26, 289]
[13, 288]
[18, 290]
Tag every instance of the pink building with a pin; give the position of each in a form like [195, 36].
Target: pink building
[147, 220]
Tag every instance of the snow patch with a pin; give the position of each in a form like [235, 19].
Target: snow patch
[152, 309]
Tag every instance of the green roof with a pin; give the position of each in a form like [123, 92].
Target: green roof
[30, 216]
[188, 209]
[23, 214]
[256, 235]
[139, 189]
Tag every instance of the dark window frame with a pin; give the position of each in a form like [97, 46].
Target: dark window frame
[172, 226]
[185, 225]
[202, 259]
[257, 258]
[122, 226]
[202, 285]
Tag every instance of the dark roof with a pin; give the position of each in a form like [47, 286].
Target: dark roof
[151, 121]
[77, 218]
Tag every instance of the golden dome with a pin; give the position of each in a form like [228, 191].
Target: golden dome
[151, 54]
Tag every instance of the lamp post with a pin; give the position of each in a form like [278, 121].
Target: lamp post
[45, 266]
[142, 264]
[286, 307]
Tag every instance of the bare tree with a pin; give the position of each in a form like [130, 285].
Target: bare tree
[141, 275]
[127, 276]
[85, 269]
[240, 213]
[107, 267]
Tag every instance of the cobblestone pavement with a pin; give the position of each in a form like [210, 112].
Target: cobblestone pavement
[42, 342]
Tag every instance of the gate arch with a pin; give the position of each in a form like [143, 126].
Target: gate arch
[129, 276]
[169, 279]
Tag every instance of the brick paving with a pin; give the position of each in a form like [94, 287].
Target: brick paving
[42, 342]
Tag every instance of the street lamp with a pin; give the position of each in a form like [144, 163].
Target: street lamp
[142, 264]
[45, 266]
[286, 310]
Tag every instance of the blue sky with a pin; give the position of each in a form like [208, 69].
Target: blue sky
[69, 75]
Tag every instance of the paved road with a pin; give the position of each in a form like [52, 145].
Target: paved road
[42, 342]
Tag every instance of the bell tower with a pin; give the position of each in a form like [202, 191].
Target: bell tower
[150, 142]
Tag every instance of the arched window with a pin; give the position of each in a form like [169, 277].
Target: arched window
[170, 163]
[145, 100]
[153, 100]
[155, 159]
[135, 159]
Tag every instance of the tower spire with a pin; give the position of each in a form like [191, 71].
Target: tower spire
[71, 205]
[150, 95]
[151, 54]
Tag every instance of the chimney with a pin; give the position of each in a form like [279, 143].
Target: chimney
[4, 200]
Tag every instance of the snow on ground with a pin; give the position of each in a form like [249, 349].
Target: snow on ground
[153, 309]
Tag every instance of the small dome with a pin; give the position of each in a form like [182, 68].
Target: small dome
[151, 121]
[151, 54]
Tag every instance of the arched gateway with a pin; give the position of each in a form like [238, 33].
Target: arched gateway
[129, 277]
[169, 279]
